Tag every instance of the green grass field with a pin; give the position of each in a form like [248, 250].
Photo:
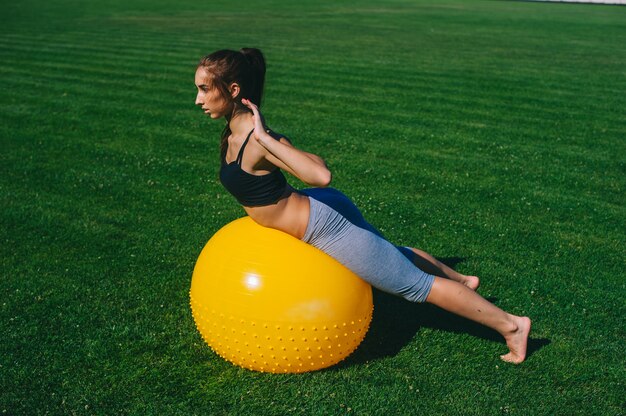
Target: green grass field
[489, 133]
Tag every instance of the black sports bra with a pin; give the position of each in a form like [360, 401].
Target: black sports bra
[251, 190]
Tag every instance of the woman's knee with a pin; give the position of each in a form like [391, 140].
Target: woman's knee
[407, 252]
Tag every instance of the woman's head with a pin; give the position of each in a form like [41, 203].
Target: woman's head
[225, 77]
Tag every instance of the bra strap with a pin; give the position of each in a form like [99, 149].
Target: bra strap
[243, 146]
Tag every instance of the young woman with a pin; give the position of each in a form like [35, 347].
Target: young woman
[230, 86]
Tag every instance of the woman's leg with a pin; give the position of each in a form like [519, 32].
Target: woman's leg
[421, 259]
[388, 268]
[459, 299]
[433, 266]
[424, 261]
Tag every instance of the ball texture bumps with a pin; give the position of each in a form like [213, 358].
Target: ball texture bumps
[266, 301]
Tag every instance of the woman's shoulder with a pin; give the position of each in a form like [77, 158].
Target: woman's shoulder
[278, 136]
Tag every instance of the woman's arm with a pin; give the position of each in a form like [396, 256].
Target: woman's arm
[309, 168]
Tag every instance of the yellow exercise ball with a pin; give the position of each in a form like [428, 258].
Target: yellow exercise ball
[266, 301]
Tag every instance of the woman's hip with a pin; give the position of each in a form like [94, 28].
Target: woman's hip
[341, 204]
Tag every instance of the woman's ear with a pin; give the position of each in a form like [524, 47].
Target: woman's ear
[235, 89]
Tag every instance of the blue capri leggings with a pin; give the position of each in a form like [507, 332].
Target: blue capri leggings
[337, 227]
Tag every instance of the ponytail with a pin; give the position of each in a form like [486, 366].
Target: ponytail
[256, 63]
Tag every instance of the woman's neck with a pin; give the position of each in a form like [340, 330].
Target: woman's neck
[241, 124]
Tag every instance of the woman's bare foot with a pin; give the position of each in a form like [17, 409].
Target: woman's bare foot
[517, 341]
[471, 281]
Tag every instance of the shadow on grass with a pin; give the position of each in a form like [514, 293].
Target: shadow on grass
[396, 321]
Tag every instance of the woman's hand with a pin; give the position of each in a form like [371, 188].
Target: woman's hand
[260, 132]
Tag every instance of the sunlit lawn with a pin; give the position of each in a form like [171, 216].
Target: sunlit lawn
[488, 133]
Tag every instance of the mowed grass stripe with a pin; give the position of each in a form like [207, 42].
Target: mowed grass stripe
[157, 62]
[491, 84]
[433, 95]
[111, 45]
[180, 48]
[145, 40]
[100, 56]
[67, 84]
[77, 77]
[448, 86]
[434, 100]
[430, 94]
[114, 63]
[512, 79]
[438, 114]
[106, 43]
[92, 80]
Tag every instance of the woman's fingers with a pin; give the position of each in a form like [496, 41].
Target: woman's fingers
[259, 123]
[250, 105]
[253, 107]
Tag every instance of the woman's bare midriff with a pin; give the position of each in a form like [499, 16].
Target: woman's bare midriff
[289, 214]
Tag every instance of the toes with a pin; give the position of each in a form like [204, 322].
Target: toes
[472, 282]
[511, 358]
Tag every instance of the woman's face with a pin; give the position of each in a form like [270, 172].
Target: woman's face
[209, 98]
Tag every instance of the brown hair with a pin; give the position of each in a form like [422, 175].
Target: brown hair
[246, 67]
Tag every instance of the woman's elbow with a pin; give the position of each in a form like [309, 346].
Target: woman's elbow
[321, 179]
[325, 178]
